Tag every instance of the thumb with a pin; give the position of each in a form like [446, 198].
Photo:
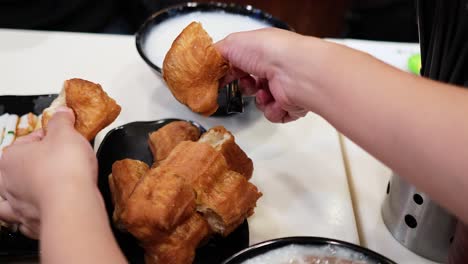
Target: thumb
[62, 120]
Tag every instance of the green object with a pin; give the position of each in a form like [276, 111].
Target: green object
[414, 64]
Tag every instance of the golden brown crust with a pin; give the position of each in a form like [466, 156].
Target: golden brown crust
[160, 201]
[179, 246]
[165, 139]
[236, 158]
[198, 163]
[192, 69]
[93, 108]
[230, 201]
[161, 210]
[225, 197]
[125, 175]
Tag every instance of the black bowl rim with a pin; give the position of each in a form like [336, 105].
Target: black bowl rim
[263, 247]
[196, 6]
[157, 121]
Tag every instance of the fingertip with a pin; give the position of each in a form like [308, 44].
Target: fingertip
[63, 118]
[64, 109]
[263, 96]
[63, 115]
[259, 103]
[274, 113]
[220, 46]
[248, 85]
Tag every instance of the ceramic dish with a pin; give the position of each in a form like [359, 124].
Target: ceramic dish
[264, 247]
[131, 141]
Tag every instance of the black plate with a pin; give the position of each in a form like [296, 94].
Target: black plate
[14, 245]
[266, 246]
[225, 101]
[131, 141]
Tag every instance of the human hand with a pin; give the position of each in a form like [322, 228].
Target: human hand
[271, 65]
[39, 170]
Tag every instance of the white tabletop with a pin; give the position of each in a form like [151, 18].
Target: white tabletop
[369, 177]
[298, 166]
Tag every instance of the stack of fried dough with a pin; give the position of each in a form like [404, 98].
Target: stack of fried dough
[196, 187]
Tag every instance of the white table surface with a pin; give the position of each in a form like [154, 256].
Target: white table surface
[369, 177]
[298, 166]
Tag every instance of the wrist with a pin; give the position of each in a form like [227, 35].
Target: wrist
[69, 195]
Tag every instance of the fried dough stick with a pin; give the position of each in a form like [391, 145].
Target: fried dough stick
[175, 246]
[229, 203]
[223, 141]
[192, 69]
[123, 179]
[225, 197]
[160, 201]
[179, 246]
[165, 139]
[93, 108]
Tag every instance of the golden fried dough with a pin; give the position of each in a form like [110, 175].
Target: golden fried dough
[93, 108]
[224, 197]
[160, 201]
[192, 69]
[230, 201]
[122, 181]
[165, 139]
[192, 193]
[198, 163]
[179, 246]
[224, 142]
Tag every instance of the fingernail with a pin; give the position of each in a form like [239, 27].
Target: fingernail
[63, 109]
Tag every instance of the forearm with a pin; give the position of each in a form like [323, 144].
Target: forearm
[415, 126]
[75, 229]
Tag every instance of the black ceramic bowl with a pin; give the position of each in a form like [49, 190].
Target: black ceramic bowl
[131, 141]
[269, 245]
[186, 8]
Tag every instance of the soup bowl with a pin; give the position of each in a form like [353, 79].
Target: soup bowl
[331, 249]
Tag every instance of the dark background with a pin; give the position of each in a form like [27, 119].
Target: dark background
[392, 20]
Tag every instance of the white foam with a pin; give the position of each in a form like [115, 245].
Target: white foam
[217, 24]
[298, 254]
